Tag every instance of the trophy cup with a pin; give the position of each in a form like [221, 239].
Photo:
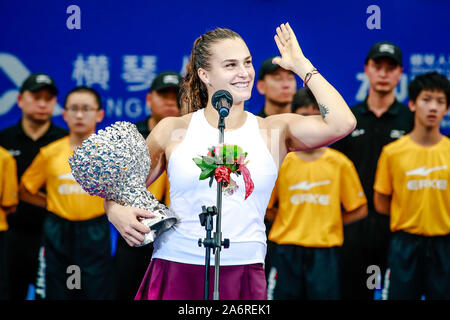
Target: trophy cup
[113, 164]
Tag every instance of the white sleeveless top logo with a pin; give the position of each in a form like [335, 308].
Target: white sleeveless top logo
[242, 220]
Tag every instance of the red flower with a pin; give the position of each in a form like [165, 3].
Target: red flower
[222, 173]
[213, 165]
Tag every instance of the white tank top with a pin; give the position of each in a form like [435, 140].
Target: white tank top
[242, 220]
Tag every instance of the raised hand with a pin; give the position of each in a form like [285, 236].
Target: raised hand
[292, 57]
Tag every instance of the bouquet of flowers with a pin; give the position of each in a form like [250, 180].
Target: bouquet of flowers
[220, 162]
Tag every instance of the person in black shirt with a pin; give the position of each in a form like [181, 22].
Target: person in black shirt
[37, 98]
[162, 99]
[278, 86]
[381, 119]
[131, 262]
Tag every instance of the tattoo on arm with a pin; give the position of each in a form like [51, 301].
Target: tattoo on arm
[323, 110]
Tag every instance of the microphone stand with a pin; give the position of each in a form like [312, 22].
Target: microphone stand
[215, 243]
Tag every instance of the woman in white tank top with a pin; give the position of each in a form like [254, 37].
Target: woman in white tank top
[220, 60]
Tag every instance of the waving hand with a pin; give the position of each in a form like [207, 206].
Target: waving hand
[292, 57]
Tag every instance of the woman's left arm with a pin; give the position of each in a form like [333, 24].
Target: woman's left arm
[336, 120]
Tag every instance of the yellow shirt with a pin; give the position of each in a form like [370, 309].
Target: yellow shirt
[65, 197]
[160, 188]
[8, 185]
[417, 178]
[310, 194]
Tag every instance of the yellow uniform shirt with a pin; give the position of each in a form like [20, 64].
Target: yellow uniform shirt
[160, 188]
[8, 185]
[417, 178]
[65, 197]
[310, 194]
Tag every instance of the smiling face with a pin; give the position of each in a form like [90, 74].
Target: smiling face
[383, 74]
[429, 107]
[230, 69]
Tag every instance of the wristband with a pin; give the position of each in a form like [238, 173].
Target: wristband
[308, 76]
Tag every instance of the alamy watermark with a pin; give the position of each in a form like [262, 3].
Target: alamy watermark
[74, 20]
[374, 20]
[374, 280]
[74, 280]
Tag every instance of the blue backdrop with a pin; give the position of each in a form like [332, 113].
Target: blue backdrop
[122, 44]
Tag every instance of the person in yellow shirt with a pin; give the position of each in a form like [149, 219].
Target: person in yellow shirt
[76, 241]
[412, 186]
[8, 203]
[308, 225]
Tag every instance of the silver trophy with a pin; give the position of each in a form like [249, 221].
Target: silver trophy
[113, 164]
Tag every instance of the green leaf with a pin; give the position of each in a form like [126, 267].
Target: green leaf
[207, 172]
[237, 152]
[209, 160]
[205, 165]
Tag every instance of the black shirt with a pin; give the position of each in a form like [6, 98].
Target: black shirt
[262, 113]
[24, 150]
[363, 146]
[142, 127]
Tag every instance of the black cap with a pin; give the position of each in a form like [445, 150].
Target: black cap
[385, 49]
[38, 81]
[167, 79]
[267, 67]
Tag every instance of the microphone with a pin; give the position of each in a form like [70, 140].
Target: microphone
[222, 101]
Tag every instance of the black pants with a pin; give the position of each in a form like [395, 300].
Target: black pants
[306, 273]
[271, 247]
[78, 263]
[3, 267]
[417, 266]
[366, 243]
[130, 264]
[22, 254]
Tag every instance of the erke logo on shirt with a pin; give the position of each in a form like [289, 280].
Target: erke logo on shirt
[440, 184]
[304, 185]
[395, 134]
[322, 199]
[72, 188]
[14, 153]
[66, 176]
[423, 171]
[358, 132]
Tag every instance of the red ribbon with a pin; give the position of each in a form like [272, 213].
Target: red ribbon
[249, 186]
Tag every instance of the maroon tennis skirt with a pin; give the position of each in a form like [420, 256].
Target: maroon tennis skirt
[168, 280]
